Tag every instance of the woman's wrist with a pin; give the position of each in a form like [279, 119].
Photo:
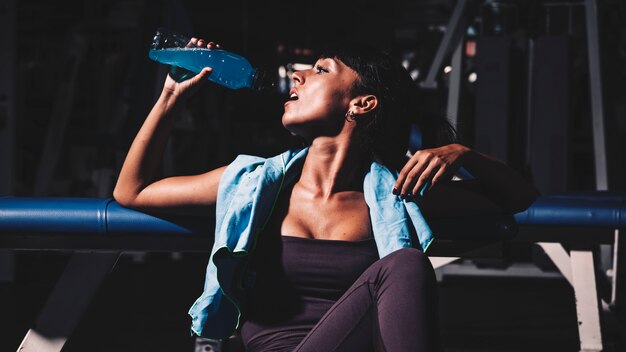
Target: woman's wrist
[472, 160]
[464, 153]
[169, 99]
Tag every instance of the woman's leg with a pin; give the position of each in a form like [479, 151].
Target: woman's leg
[392, 305]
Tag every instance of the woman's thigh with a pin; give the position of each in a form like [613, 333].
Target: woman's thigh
[392, 305]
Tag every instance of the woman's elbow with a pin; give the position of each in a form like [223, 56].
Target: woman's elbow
[124, 198]
[522, 202]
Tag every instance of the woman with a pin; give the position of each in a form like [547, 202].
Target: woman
[310, 248]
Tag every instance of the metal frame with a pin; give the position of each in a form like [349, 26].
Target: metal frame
[585, 291]
[454, 85]
[595, 88]
[582, 263]
[618, 294]
[578, 268]
[454, 31]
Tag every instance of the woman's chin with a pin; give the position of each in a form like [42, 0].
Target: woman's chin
[297, 130]
[291, 124]
[293, 131]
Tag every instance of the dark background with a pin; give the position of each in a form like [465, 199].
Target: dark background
[83, 80]
[78, 80]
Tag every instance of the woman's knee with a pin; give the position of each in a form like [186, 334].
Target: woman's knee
[409, 263]
[408, 255]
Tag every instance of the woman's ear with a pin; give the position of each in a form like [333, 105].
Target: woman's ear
[364, 104]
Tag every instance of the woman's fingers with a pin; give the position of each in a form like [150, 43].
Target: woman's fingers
[186, 87]
[201, 43]
[415, 174]
[412, 178]
[193, 42]
[403, 175]
[197, 79]
[439, 175]
[429, 165]
[425, 177]
[423, 167]
[203, 74]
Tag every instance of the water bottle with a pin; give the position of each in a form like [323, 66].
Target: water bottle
[229, 69]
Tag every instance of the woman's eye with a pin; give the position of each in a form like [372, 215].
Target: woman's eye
[320, 69]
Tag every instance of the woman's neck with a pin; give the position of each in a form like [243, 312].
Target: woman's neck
[333, 164]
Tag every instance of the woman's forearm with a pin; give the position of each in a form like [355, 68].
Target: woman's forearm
[145, 154]
[504, 185]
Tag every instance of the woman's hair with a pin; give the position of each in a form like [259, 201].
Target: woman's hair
[385, 131]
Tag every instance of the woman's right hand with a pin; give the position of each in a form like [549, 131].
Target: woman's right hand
[186, 87]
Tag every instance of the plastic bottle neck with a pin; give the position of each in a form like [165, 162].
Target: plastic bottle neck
[261, 81]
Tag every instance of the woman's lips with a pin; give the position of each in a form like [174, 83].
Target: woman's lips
[293, 96]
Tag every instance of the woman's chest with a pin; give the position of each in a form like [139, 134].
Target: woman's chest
[341, 217]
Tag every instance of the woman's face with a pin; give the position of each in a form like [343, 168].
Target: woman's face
[319, 99]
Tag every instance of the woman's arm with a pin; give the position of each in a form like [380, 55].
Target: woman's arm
[137, 186]
[495, 181]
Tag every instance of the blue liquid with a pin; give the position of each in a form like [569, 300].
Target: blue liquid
[229, 70]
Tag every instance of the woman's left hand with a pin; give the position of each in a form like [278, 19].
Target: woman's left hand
[429, 165]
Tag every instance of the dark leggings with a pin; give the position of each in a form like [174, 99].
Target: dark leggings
[392, 306]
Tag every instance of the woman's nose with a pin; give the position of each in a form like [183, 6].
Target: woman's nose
[297, 77]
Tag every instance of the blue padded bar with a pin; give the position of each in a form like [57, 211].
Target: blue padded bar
[93, 216]
[122, 220]
[88, 216]
[85, 217]
[588, 209]
[53, 215]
